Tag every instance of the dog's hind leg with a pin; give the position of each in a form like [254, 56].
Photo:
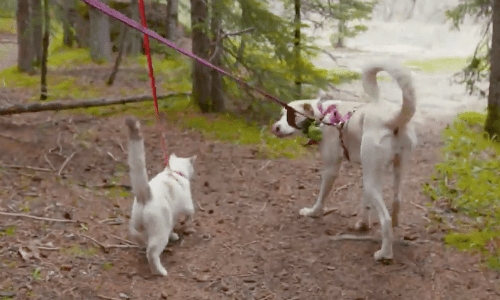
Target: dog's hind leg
[374, 155]
[396, 177]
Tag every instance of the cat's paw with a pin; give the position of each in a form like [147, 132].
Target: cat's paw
[173, 236]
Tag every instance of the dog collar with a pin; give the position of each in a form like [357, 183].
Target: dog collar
[334, 116]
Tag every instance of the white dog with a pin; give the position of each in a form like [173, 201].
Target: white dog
[377, 134]
[157, 203]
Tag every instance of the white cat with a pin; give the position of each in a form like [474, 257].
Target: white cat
[157, 203]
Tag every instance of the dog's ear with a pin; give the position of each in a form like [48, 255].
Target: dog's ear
[193, 158]
[308, 110]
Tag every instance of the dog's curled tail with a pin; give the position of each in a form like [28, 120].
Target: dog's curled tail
[137, 161]
[403, 77]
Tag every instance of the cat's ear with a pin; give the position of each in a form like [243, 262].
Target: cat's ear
[192, 159]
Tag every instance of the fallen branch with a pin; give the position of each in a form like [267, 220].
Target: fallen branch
[345, 186]
[365, 238]
[106, 247]
[25, 167]
[37, 218]
[64, 105]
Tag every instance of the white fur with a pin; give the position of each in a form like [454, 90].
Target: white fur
[158, 203]
[370, 139]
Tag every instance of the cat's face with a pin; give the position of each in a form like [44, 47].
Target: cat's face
[185, 165]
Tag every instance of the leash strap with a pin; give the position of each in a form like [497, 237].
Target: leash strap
[151, 76]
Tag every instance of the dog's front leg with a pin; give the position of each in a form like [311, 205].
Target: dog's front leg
[327, 179]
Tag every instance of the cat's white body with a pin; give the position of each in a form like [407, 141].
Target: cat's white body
[157, 203]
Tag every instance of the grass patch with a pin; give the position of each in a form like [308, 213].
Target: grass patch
[468, 182]
[339, 76]
[78, 251]
[8, 25]
[438, 64]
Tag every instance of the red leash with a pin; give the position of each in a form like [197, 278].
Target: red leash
[151, 76]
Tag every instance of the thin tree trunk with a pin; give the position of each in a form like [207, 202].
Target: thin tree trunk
[217, 94]
[492, 125]
[67, 104]
[37, 25]
[68, 22]
[298, 80]
[119, 57]
[172, 19]
[135, 37]
[245, 23]
[100, 39]
[45, 52]
[24, 37]
[201, 43]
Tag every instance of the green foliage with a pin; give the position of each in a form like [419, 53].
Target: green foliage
[8, 25]
[343, 12]
[438, 64]
[478, 68]
[468, 182]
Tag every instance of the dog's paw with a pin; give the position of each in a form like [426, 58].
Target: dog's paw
[382, 255]
[173, 236]
[310, 212]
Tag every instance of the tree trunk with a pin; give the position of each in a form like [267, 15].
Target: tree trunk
[217, 94]
[172, 19]
[68, 21]
[135, 36]
[111, 79]
[24, 37]
[341, 26]
[37, 25]
[45, 52]
[297, 22]
[201, 44]
[245, 23]
[492, 125]
[100, 40]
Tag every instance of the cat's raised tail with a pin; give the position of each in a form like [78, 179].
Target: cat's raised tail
[137, 161]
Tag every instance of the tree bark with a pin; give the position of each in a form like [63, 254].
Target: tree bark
[68, 20]
[298, 85]
[66, 104]
[492, 125]
[24, 37]
[45, 52]
[172, 19]
[135, 37]
[100, 40]
[217, 93]
[37, 25]
[201, 43]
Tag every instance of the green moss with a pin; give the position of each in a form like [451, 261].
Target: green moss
[468, 182]
[78, 251]
[8, 25]
[8, 231]
[439, 64]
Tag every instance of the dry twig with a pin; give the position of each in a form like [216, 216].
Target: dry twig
[365, 238]
[65, 162]
[25, 167]
[37, 218]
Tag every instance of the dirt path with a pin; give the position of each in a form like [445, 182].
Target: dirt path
[250, 242]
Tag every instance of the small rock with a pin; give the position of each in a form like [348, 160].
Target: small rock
[203, 278]
[164, 295]
[7, 294]
[224, 287]
[124, 296]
